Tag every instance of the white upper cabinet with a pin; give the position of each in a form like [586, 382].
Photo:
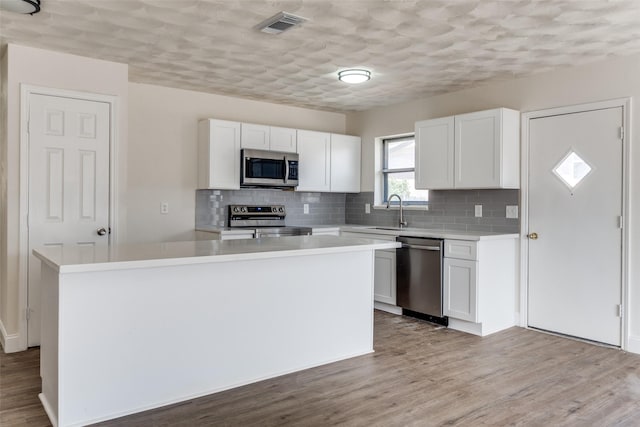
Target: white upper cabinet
[283, 139]
[255, 136]
[328, 162]
[487, 152]
[314, 168]
[434, 153]
[261, 137]
[219, 154]
[345, 163]
[473, 151]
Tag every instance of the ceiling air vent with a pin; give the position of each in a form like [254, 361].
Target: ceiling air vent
[280, 22]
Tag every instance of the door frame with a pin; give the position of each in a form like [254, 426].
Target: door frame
[625, 103]
[26, 90]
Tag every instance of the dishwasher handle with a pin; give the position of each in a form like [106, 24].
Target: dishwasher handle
[426, 248]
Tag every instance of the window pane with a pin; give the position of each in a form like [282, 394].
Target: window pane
[403, 184]
[400, 153]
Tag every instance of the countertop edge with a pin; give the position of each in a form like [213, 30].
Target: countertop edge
[206, 259]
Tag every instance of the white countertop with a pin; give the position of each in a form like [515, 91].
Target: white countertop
[74, 259]
[424, 232]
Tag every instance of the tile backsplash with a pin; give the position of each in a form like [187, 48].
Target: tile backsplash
[324, 208]
[448, 209]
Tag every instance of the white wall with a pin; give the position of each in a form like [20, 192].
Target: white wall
[613, 78]
[25, 65]
[162, 160]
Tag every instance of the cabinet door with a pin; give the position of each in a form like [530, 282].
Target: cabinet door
[314, 169]
[219, 154]
[283, 139]
[384, 285]
[478, 149]
[255, 136]
[461, 289]
[345, 163]
[434, 153]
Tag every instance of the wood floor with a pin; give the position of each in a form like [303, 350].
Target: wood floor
[420, 375]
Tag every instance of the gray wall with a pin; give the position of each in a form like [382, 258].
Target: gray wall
[448, 210]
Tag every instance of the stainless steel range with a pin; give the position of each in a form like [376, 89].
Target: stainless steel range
[267, 221]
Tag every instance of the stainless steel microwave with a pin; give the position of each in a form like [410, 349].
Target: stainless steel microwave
[262, 168]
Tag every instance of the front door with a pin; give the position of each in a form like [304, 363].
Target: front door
[575, 235]
[68, 182]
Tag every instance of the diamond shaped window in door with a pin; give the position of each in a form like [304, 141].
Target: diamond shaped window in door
[572, 169]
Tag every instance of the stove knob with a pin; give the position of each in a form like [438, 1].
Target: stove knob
[244, 209]
[236, 209]
[281, 209]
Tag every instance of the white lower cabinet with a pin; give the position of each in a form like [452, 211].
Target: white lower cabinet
[384, 288]
[460, 289]
[480, 280]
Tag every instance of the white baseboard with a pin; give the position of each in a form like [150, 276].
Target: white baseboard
[10, 342]
[393, 309]
[634, 344]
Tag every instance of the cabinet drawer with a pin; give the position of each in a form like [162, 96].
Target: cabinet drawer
[461, 249]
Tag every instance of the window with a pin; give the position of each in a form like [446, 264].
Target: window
[398, 170]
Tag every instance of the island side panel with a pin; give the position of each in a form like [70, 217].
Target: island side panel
[49, 341]
[142, 338]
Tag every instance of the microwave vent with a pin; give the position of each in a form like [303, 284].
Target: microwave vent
[280, 22]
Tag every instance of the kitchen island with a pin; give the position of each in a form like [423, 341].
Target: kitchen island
[134, 327]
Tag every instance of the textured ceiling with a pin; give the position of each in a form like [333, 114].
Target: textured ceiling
[413, 48]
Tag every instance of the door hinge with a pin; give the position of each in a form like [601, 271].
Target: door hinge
[620, 310]
[27, 313]
[622, 133]
[620, 222]
[28, 126]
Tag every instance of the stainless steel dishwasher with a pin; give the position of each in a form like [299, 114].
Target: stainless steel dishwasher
[419, 278]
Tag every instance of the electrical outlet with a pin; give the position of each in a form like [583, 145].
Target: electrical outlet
[164, 208]
[478, 210]
[367, 208]
[305, 207]
[512, 211]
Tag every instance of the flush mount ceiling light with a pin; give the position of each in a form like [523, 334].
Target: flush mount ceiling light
[20, 6]
[354, 75]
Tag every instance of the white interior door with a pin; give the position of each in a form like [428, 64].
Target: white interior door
[575, 204]
[68, 182]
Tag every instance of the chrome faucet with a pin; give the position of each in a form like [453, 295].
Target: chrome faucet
[403, 223]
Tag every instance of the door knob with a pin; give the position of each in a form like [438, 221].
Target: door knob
[533, 236]
[102, 231]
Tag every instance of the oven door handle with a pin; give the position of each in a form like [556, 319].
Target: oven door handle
[426, 248]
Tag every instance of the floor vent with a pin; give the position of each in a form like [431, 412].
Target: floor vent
[280, 22]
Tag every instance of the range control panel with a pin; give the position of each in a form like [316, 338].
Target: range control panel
[258, 211]
[253, 215]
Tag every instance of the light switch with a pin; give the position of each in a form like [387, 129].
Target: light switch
[305, 207]
[512, 211]
[367, 208]
[164, 208]
[478, 210]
